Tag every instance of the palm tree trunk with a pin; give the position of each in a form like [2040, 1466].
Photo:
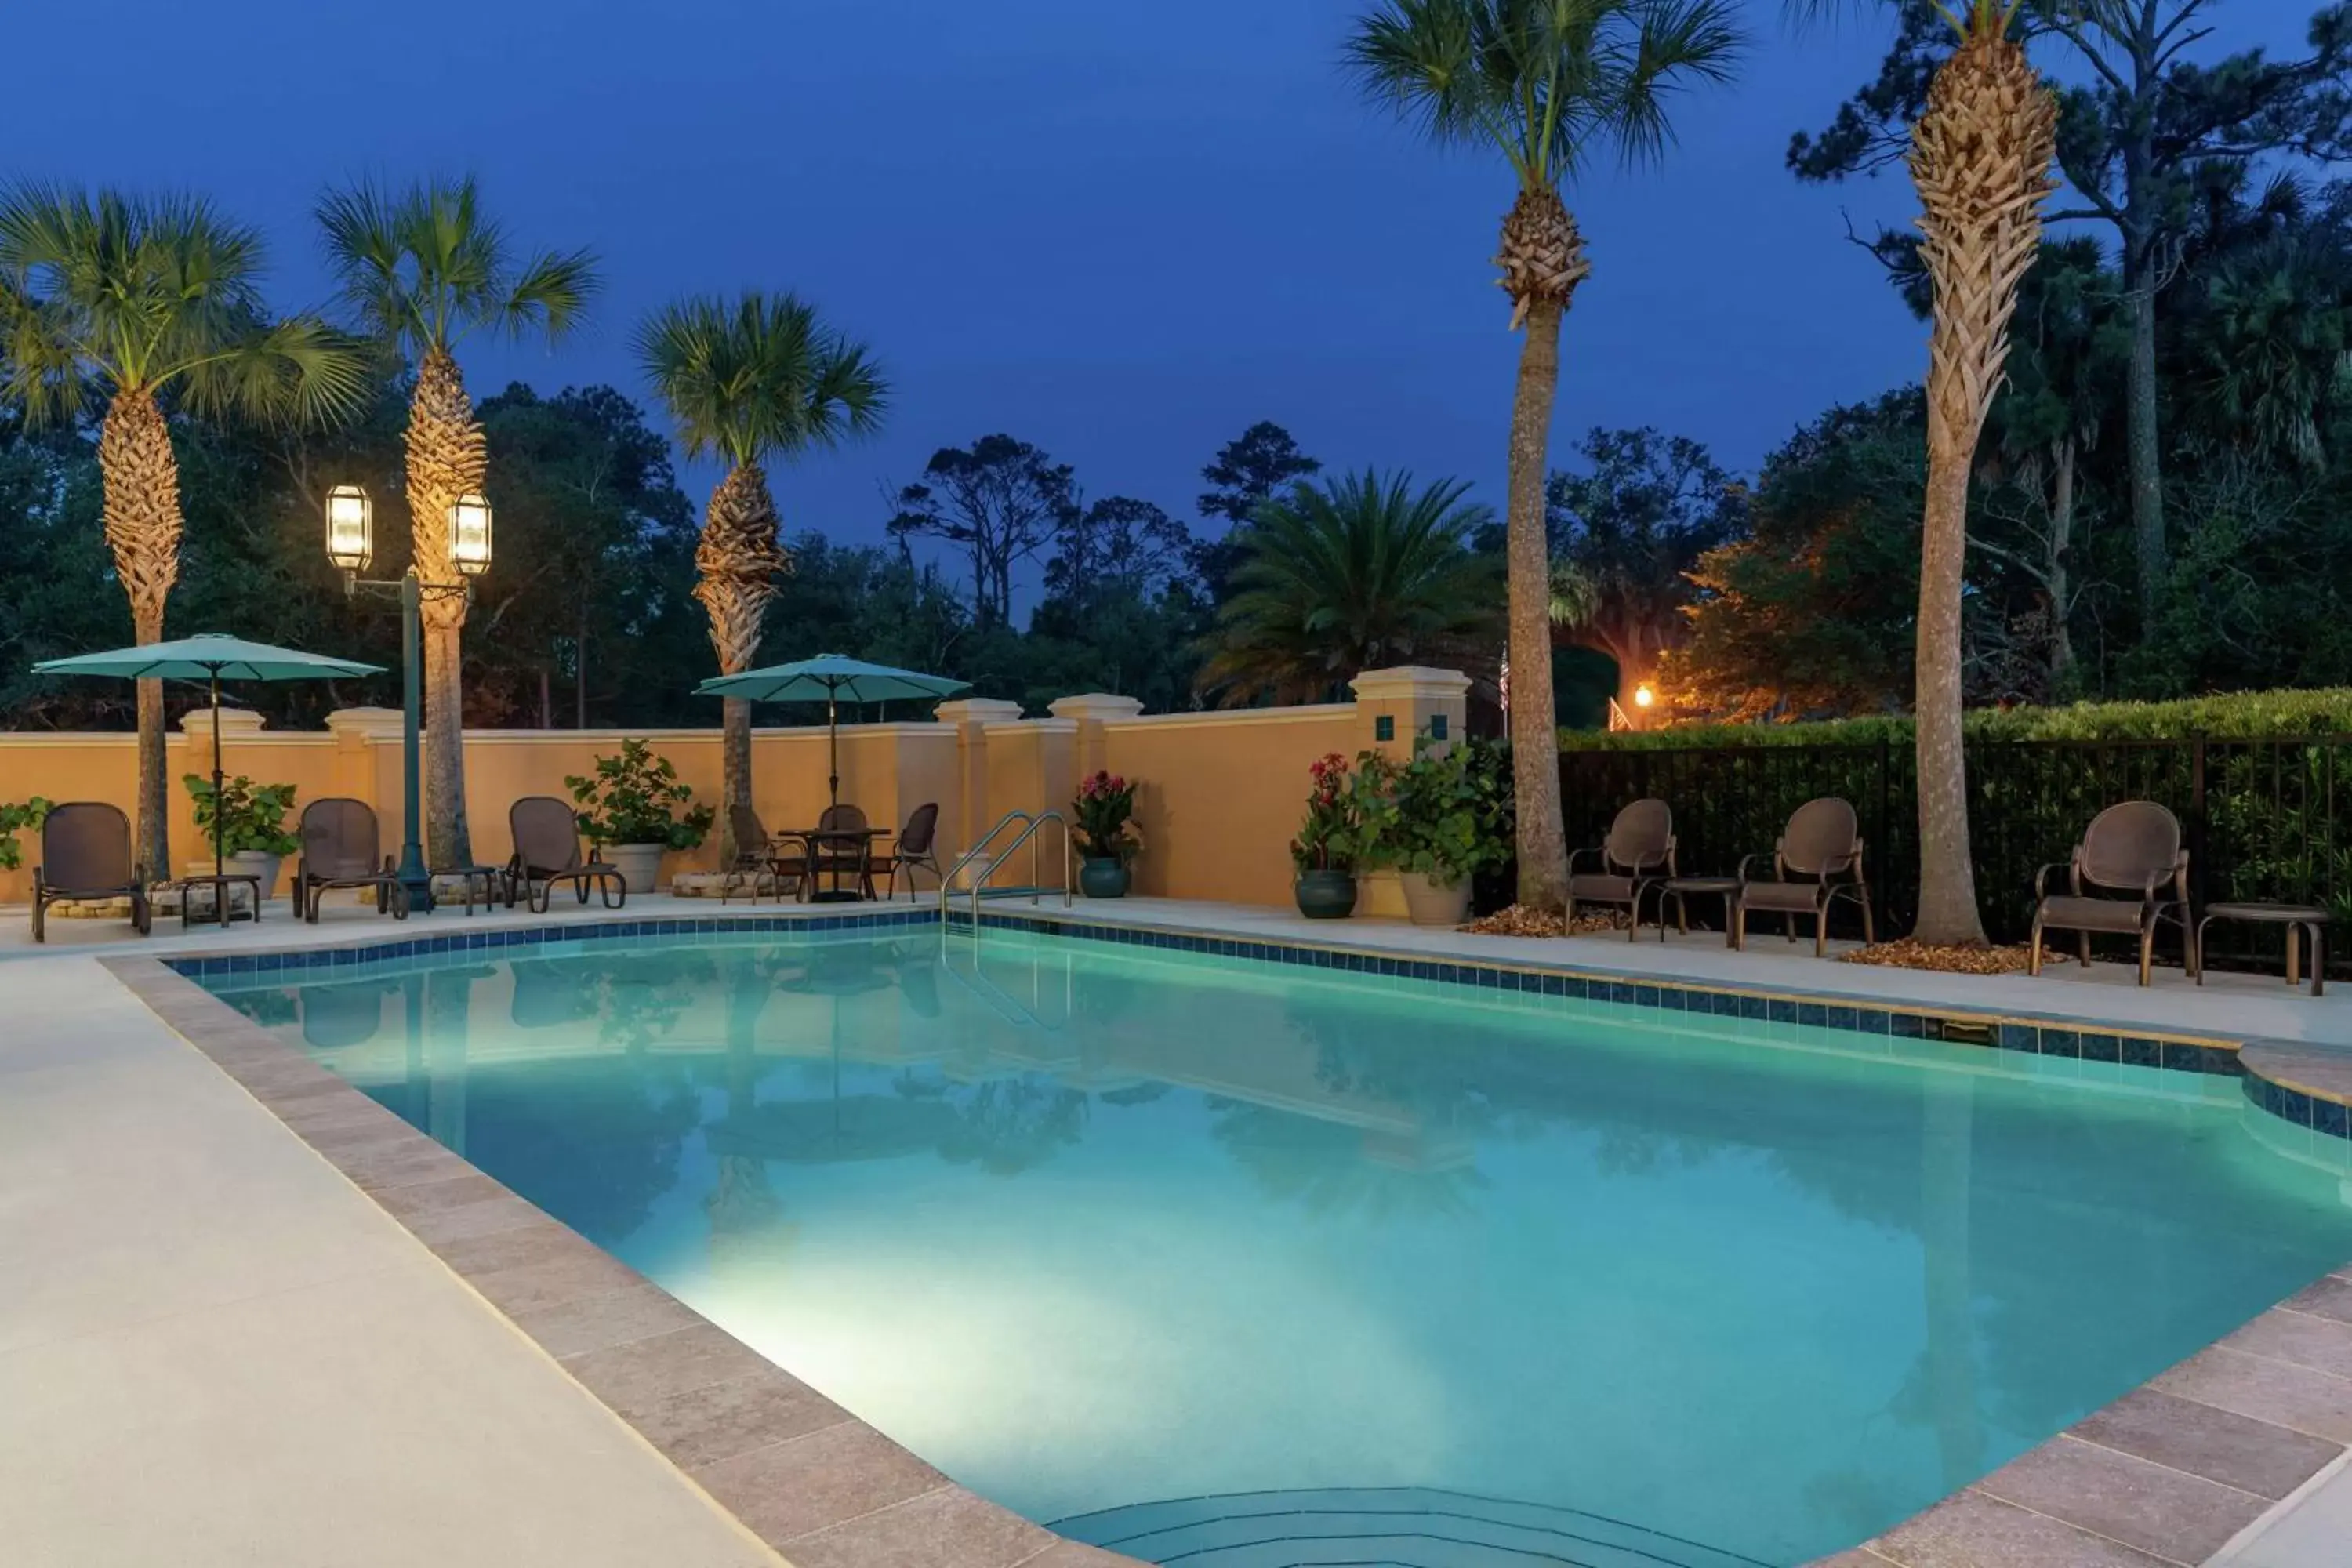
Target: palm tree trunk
[2055, 574]
[2140, 453]
[1535, 729]
[1980, 157]
[141, 506]
[448, 456]
[739, 558]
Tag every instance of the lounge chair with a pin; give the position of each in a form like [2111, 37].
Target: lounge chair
[912, 846]
[1817, 862]
[1637, 855]
[86, 854]
[841, 857]
[759, 854]
[547, 851]
[2133, 849]
[342, 847]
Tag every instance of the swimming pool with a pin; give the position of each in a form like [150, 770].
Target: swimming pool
[1187, 1253]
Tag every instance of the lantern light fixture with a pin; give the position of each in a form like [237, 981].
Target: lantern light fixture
[469, 534]
[351, 529]
[1644, 695]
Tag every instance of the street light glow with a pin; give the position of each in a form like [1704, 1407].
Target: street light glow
[351, 528]
[469, 534]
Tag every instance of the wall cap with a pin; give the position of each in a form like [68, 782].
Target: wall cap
[1095, 705]
[1409, 680]
[977, 710]
[1208, 718]
[367, 724]
[1033, 727]
[234, 721]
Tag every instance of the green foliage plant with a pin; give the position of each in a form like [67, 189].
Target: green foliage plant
[1103, 818]
[636, 798]
[1331, 835]
[1445, 815]
[252, 816]
[19, 816]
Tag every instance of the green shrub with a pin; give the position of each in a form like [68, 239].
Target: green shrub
[636, 798]
[2237, 715]
[252, 816]
[18, 817]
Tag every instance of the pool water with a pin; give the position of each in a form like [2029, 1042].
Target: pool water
[1338, 1262]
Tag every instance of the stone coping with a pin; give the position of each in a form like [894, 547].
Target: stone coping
[2166, 1475]
[820, 1487]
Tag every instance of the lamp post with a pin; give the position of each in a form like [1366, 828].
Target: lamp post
[350, 547]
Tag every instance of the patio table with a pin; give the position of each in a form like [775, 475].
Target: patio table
[2298, 918]
[1680, 887]
[219, 882]
[859, 839]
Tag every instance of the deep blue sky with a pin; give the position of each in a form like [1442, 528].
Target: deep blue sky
[1121, 231]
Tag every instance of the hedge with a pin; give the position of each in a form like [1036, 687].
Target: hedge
[2238, 715]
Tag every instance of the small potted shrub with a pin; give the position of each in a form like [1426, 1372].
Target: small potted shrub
[1438, 824]
[255, 839]
[1103, 824]
[1324, 853]
[634, 810]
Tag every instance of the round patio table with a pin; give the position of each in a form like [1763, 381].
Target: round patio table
[2299, 919]
[861, 838]
[1678, 888]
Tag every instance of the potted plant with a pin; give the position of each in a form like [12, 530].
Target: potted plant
[634, 810]
[1324, 853]
[1103, 820]
[255, 839]
[1437, 825]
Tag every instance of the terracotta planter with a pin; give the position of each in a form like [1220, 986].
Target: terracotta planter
[1326, 895]
[1103, 879]
[639, 864]
[1427, 903]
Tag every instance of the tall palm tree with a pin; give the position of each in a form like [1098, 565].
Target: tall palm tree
[130, 300]
[747, 380]
[1350, 574]
[1551, 85]
[1980, 157]
[420, 269]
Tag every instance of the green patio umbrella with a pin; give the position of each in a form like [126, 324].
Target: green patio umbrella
[211, 657]
[829, 678]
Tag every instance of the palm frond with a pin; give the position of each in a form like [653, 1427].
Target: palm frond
[296, 372]
[551, 293]
[758, 376]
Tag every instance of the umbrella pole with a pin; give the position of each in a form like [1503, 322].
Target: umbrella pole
[219, 891]
[833, 746]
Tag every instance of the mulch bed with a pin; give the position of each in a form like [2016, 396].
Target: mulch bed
[1910, 955]
[1520, 921]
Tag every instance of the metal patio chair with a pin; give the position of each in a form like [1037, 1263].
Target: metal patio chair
[343, 848]
[1637, 855]
[86, 854]
[2131, 849]
[1817, 862]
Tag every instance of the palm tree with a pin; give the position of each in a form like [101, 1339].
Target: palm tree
[745, 381]
[131, 301]
[420, 268]
[1350, 574]
[1980, 157]
[1549, 84]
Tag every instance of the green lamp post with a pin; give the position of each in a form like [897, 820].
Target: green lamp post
[350, 547]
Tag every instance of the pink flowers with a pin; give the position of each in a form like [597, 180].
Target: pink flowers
[1099, 784]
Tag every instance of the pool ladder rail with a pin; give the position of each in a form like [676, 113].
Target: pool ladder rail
[982, 868]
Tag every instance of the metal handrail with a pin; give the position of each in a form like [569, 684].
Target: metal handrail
[1028, 834]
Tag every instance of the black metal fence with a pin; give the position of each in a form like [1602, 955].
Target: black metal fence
[2262, 816]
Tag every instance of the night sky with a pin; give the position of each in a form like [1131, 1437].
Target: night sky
[1121, 231]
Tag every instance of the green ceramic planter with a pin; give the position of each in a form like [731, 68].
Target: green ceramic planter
[1326, 895]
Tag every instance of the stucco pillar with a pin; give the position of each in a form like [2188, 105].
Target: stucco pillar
[367, 762]
[1394, 705]
[1093, 709]
[971, 716]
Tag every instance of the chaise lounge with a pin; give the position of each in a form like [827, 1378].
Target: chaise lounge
[86, 854]
[547, 851]
[343, 848]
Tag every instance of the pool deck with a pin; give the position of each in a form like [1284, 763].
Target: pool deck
[232, 1317]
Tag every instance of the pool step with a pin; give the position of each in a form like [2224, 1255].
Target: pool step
[1413, 1527]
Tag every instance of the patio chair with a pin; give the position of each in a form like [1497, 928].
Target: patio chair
[912, 846]
[342, 848]
[1637, 855]
[2133, 849]
[1817, 862]
[86, 854]
[840, 857]
[758, 854]
[547, 851]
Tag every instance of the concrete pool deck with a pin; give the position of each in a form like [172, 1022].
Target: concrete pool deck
[2236, 1458]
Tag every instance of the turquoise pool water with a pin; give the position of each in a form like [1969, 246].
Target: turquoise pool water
[1378, 1269]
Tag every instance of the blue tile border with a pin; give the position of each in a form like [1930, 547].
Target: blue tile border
[2023, 1035]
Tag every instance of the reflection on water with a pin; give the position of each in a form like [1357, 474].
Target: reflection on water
[1087, 1227]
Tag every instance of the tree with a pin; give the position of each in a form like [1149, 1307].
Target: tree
[1002, 501]
[1117, 544]
[1627, 530]
[1980, 158]
[1549, 84]
[747, 381]
[2131, 140]
[420, 269]
[1351, 575]
[1253, 466]
[137, 300]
